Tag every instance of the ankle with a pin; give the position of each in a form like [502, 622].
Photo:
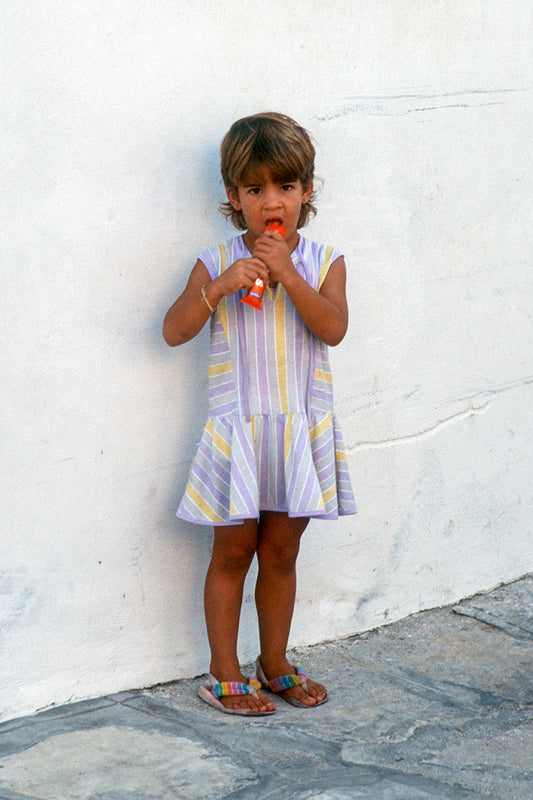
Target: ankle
[226, 672]
[274, 666]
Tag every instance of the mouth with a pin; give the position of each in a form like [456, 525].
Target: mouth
[274, 221]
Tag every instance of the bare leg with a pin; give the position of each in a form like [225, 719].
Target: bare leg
[233, 550]
[277, 550]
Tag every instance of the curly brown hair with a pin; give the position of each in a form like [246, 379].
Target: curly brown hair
[272, 141]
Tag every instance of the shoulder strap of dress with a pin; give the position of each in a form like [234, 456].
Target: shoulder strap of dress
[326, 264]
[223, 260]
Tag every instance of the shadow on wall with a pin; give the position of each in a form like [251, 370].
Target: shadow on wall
[189, 545]
[184, 371]
[198, 190]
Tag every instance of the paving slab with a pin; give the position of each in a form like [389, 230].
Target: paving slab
[435, 707]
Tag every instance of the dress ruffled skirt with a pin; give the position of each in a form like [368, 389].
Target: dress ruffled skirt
[283, 462]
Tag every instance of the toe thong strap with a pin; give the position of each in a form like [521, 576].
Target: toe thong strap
[235, 688]
[288, 681]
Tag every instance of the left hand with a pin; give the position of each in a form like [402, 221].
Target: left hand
[271, 248]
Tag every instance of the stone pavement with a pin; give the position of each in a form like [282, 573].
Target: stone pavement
[435, 707]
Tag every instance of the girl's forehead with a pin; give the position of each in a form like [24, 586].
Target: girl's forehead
[263, 174]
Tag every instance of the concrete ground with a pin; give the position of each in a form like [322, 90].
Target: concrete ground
[436, 707]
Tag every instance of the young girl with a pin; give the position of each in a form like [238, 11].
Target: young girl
[271, 454]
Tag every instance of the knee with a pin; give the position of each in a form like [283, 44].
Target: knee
[233, 559]
[279, 557]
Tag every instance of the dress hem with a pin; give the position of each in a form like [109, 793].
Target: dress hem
[239, 520]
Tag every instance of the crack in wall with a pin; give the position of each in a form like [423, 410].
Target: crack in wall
[394, 104]
[471, 411]
[495, 390]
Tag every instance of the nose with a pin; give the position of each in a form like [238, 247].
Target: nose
[272, 197]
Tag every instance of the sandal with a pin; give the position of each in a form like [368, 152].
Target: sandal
[279, 685]
[212, 691]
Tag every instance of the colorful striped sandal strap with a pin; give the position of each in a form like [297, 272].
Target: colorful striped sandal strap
[235, 688]
[288, 681]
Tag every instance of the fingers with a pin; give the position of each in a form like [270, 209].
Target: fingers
[270, 241]
[254, 270]
[242, 274]
[271, 248]
[259, 267]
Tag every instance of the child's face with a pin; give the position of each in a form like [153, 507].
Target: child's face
[264, 200]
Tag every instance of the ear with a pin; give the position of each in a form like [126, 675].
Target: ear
[308, 191]
[233, 196]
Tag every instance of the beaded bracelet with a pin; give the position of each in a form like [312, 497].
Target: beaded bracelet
[208, 304]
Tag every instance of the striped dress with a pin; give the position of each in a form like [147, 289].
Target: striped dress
[271, 441]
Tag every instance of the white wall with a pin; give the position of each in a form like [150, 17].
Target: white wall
[113, 113]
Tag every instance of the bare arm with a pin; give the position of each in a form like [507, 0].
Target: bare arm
[325, 312]
[188, 315]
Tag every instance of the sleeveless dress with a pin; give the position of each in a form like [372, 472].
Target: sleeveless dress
[271, 441]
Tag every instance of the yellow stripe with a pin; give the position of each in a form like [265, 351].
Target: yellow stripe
[329, 494]
[281, 352]
[218, 441]
[288, 436]
[223, 258]
[222, 307]
[340, 455]
[219, 369]
[326, 264]
[320, 428]
[232, 510]
[221, 444]
[206, 509]
[320, 375]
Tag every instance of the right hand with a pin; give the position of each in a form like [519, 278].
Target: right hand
[241, 275]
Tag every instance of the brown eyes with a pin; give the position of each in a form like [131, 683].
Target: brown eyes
[254, 190]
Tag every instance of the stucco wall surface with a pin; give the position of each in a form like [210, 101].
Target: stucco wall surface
[112, 118]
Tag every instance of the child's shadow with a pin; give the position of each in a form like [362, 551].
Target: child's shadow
[189, 362]
[184, 382]
[183, 376]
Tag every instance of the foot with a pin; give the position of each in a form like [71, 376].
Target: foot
[254, 702]
[315, 694]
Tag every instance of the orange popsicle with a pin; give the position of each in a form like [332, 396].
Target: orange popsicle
[276, 227]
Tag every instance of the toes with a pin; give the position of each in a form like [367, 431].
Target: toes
[315, 693]
[299, 694]
[255, 703]
[235, 701]
[318, 691]
[265, 703]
